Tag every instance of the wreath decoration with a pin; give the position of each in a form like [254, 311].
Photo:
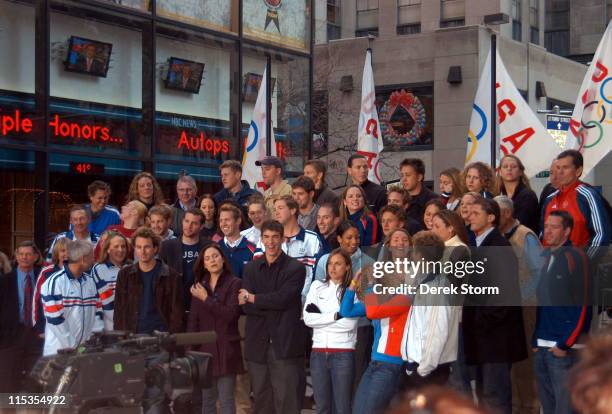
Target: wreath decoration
[414, 107]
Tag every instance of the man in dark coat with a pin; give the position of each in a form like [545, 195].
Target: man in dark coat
[20, 341]
[234, 187]
[275, 334]
[493, 332]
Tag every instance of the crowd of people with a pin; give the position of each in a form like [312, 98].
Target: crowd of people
[285, 279]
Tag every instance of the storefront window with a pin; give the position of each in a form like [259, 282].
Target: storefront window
[17, 196]
[19, 121]
[142, 5]
[70, 176]
[96, 84]
[290, 99]
[214, 14]
[283, 22]
[193, 98]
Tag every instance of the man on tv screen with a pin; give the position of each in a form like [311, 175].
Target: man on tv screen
[87, 60]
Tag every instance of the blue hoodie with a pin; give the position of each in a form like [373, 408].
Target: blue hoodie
[240, 197]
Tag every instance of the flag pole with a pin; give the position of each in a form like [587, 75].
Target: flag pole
[493, 100]
[268, 104]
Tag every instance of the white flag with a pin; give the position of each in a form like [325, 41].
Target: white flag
[520, 131]
[591, 123]
[369, 138]
[256, 140]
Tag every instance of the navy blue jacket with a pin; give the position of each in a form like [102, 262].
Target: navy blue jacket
[563, 312]
[240, 197]
[238, 256]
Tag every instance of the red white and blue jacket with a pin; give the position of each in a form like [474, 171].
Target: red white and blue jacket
[72, 308]
[367, 224]
[93, 239]
[585, 205]
[105, 278]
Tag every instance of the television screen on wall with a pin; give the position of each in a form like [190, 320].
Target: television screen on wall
[251, 86]
[184, 75]
[88, 56]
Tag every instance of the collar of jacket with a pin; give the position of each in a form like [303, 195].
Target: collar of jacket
[279, 261]
[164, 270]
[301, 234]
[547, 252]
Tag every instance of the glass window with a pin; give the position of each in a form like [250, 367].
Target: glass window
[452, 23]
[286, 22]
[214, 14]
[20, 123]
[207, 178]
[96, 83]
[367, 15]
[142, 5]
[408, 13]
[408, 29]
[534, 14]
[70, 175]
[290, 98]
[517, 30]
[193, 98]
[333, 20]
[17, 196]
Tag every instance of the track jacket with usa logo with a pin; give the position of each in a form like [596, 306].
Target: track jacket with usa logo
[72, 308]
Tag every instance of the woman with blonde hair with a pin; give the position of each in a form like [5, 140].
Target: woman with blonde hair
[58, 256]
[146, 189]
[514, 184]
[354, 208]
[479, 178]
[113, 256]
[451, 187]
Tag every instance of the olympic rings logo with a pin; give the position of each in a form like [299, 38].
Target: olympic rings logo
[474, 138]
[603, 115]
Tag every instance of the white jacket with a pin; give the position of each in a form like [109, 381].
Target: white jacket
[72, 308]
[432, 329]
[327, 332]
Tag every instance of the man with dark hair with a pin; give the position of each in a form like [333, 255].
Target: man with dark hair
[181, 253]
[238, 250]
[412, 172]
[101, 214]
[257, 213]
[187, 196]
[148, 294]
[316, 170]
[275, 333]
[328, 219]
[376, 195]
[272, 172]
[563, 314]
[302, 191]
[493, 335]
[591, 222]
[79, 223]
[399, 196]
[20, 343]
[234, 187]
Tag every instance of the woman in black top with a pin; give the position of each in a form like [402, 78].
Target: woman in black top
[514, 184]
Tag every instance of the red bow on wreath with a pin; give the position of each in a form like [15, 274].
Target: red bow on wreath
[402, 98]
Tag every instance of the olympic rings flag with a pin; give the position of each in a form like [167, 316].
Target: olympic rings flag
[479, 134]
[255, 145]
[369, 138]
[520, 131]
[591, 123]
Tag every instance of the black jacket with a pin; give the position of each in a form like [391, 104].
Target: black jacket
[275, 317]
[417, 205]
[376, 196]
[9, 308]
[171, 253]
[526, 207]
[493, 333]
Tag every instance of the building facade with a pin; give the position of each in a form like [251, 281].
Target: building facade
[105, 89]
[427, 60]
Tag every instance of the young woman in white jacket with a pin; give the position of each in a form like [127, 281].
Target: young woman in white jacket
[333, 337]
[429, 344]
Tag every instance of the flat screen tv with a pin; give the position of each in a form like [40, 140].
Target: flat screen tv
[88, 56]
[251, 86]
[184, 75]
